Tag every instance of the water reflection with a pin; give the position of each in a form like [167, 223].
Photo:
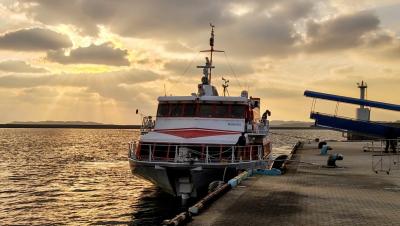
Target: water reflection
[72, 176]
[154, 206]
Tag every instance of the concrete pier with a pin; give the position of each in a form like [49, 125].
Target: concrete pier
[310, 194]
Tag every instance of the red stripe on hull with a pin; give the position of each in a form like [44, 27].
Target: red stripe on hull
[194, 133]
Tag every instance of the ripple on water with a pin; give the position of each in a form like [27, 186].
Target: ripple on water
[76, 176]
[70, 176]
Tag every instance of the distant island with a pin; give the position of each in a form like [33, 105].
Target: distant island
[282, 123]
[57, 123]
[66, 124]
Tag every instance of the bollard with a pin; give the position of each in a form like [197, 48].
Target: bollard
[324, 150]
[321, 144]
[333, 158]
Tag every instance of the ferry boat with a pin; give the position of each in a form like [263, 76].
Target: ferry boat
[200, 138]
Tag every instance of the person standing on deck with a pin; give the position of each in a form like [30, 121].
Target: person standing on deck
[242, 140]
[391, 140]
[265, 116]
[240, 143]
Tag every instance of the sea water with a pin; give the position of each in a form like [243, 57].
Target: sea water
[82, 176]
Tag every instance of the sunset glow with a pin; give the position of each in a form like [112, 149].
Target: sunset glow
[100, 61]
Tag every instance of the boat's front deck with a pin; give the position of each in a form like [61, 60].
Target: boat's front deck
[313, 195]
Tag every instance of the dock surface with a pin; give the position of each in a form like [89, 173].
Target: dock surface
[310, 194]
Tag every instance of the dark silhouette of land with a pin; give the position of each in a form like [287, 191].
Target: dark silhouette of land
[67, 124]
[95, 125]
[72, 126]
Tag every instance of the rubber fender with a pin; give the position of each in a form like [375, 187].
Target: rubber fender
[271, 172]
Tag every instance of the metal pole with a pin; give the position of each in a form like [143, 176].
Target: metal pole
[176, 153]
[149, 152]
[206, 154]
[251, 152]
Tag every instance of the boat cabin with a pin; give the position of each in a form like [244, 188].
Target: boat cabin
[235, 108]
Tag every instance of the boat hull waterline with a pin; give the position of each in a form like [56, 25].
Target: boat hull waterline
[166, 175]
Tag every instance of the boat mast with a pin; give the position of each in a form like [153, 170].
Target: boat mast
[211, 50]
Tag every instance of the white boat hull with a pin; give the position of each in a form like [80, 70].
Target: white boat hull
[167, 175]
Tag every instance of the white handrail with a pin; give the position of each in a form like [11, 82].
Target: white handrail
[220, 152]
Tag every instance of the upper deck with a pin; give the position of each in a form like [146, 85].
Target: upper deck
[209, 99]
[205, 120]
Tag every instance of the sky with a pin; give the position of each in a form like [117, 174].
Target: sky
[100, 60]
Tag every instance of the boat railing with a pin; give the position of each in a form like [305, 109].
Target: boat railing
[381, 145]
[180, 153]
[147, 124]
[262, 127]
[258, 128]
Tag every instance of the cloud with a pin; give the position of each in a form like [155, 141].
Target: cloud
[268, 30]
[38, 94]
[127, 17]
[342, 32]
[342, 70]
[223, 67]
[19, 67]
[294, 10]
[379, 38]
[105, 92]
[260, 36]
[123, 86]
[34, 39]
[174, 46]
[381, 45]
[391, 54]
[276, 90]
[93, 54]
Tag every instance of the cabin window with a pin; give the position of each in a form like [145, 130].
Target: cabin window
[163, 110]
[206, 110]
[176, 110]
[189, 110]
[221, 111]
[237, 111]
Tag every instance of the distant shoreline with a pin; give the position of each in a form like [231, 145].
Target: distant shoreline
[70, 126]
[112, 126]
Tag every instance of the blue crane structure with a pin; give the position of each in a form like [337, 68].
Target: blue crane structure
[365, 127]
